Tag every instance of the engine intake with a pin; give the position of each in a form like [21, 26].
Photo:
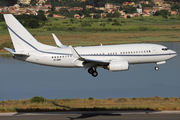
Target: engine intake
[118, 66]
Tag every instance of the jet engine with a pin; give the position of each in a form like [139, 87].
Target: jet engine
[118, 66]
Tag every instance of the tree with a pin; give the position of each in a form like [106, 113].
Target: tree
[110, 15]
[1, 17]
[50, 15]
[164, 13]
[175, 7]
[71, 14]
[33, 23]
[33, 2]
[156, 13]
[129, 9]
[7, 2]
[41, 15]
[37, 99]
[117, 14]
[87, 13]
[64, 12]
[52, 8]
[117, 23]
[40, 12]
[96, 16]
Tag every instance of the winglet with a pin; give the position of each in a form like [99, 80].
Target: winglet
[58, 42]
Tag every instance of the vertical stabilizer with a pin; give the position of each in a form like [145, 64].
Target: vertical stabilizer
[21, 38]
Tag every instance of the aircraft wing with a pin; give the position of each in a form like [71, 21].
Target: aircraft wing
[87, 62]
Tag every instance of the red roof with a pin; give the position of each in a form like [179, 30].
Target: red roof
[3, 12]
[127, 2]
[147, 8]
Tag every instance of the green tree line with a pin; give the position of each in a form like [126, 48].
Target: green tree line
[7, 2]
[32, 21]
[95, 3]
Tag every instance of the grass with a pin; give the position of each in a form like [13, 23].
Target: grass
[89, 38]
[134, 30]
[91, 104]
[85, 38]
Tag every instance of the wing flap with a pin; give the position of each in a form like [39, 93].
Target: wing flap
[87, 62]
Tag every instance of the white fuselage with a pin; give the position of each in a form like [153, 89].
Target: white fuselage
[133, 53]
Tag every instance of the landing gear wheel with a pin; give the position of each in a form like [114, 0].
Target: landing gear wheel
[95, 74]
[156, 68]
[93, 71]
[90, 70]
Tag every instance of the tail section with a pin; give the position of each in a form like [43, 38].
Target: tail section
[21, 38]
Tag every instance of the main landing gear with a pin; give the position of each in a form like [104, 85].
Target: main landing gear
[93, 72]
[156, 68]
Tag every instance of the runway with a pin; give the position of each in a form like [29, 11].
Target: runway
[94, 115]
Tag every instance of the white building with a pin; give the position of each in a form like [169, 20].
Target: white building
[139, 10]
[27, 2]
[109, 6]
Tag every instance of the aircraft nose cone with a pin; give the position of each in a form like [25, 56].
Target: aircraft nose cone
[173, 53]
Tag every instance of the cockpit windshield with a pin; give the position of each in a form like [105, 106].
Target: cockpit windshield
[165, 49]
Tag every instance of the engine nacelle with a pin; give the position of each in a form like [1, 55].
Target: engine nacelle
[118, 66]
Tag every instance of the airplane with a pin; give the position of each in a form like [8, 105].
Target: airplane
[110, 57]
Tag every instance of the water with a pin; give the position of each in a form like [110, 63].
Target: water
[22, 80]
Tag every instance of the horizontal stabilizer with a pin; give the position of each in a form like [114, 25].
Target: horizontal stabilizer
[10, 50]
[13, 52]
[21, 53]
[58, 42]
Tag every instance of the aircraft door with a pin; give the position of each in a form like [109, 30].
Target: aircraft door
[154, 50]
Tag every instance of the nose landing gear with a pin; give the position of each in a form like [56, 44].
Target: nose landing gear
[93, 72]
[156, 68]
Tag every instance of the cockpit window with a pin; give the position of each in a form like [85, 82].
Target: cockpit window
[164, 49]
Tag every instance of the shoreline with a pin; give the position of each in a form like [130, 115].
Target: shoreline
[40, 104]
